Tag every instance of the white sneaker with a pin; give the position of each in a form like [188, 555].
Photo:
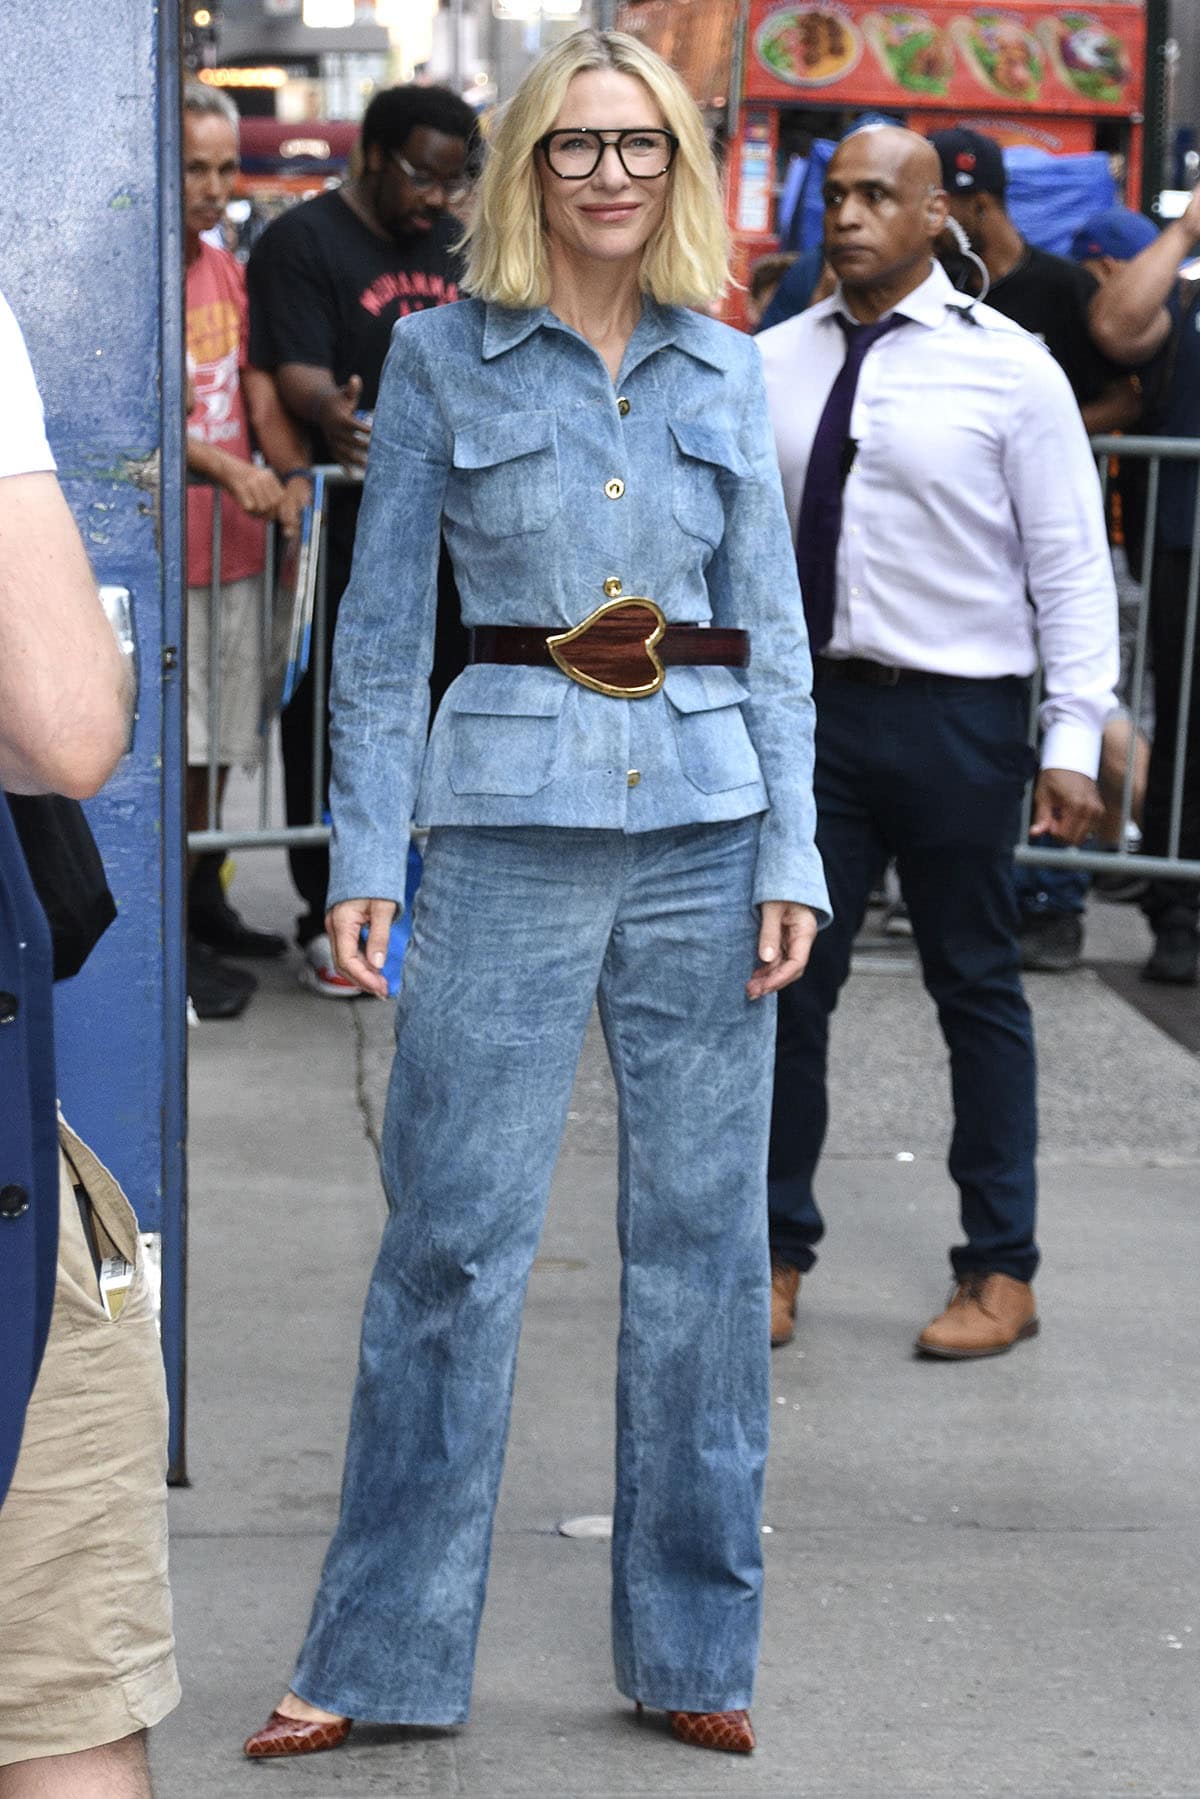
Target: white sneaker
[320, 974]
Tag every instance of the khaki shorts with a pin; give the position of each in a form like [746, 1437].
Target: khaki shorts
[86, 1650]
[240, 741]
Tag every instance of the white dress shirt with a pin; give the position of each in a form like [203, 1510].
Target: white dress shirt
[972, 493]
[23, 446]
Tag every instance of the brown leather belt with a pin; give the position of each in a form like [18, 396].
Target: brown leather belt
[622, 649]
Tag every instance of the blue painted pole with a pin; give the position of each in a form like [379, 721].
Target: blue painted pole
[91, 263]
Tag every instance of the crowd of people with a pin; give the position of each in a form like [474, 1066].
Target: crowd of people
[297, 355]
[670, 639]
[1130, 367]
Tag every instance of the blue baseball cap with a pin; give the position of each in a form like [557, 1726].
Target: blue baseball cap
[1118, 233]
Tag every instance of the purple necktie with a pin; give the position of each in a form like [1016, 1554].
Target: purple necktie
[820, 522]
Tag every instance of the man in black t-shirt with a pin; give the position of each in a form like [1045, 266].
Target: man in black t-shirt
[327, 281]
[1046, 294]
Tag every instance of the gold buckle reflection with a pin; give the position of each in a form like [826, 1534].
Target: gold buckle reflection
[557, 645]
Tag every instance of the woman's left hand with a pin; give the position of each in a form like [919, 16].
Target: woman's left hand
[785, 937]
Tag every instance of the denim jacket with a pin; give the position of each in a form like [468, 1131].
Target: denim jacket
[504, 429]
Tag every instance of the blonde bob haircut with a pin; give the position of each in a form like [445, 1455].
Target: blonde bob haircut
[685, 263]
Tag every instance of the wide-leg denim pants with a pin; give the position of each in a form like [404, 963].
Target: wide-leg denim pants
[515, 934]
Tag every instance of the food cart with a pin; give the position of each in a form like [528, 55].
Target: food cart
[1056, 77]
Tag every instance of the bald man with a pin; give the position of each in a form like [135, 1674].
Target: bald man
[948, 530]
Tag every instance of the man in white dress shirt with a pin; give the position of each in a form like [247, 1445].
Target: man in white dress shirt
[949, 529]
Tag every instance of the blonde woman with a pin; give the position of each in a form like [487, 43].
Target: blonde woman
[620, 809]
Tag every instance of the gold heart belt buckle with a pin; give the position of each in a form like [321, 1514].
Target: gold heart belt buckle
[613, 650]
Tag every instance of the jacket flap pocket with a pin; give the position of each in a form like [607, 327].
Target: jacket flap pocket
[491, 691]
[703, 689]
[706, 443]
[503, 439]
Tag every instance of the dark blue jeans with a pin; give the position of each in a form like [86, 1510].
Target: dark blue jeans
[1046, 891]
[930, 772]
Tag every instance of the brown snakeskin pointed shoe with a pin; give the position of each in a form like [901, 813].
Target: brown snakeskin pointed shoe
[730, 1731]
[297, 1736]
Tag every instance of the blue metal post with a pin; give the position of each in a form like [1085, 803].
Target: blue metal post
[91, 263]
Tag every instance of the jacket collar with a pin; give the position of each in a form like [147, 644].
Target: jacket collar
[659, 326]
[504, 328]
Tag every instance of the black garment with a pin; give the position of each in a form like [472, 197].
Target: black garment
[1171, 902]
[67, 873]
[932, 772]
[1174, 903]
[1176, 413]
[1169, 383]
[1050, 296]
[326, 291]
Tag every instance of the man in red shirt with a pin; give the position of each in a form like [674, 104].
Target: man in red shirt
[233, 407]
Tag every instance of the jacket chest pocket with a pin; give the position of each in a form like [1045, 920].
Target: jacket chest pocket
[504, 474]
[703, 458]
[505, 741]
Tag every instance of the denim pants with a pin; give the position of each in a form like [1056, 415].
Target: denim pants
[932, 772]
[1046, 891]
[515, 932]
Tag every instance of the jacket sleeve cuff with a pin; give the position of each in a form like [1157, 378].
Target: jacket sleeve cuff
[800, 880]
[383, 877]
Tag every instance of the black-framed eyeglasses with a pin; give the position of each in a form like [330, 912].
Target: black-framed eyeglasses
[452, 188]
[643, 154]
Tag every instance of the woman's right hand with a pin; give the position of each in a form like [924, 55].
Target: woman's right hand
[345, 924]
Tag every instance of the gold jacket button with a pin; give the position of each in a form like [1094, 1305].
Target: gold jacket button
[614, 488]
[633, 777]
[623, 407]
[612, 587]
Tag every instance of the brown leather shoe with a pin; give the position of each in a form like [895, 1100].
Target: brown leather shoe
[730, 1731]
[785, 1285]
[297, 1736]
[987, 1314]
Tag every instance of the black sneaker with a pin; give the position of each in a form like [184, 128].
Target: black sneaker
[216, 924]
[216, 990]
[1052, 942]
[1176, 957]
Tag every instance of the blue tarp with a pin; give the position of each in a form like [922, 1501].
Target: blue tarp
[1051, 197]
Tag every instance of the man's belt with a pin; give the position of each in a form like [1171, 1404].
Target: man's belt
[872, 674]
[623, 649]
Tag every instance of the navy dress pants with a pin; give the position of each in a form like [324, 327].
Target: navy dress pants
[930, 771]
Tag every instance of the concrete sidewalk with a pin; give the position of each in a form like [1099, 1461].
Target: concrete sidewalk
[982, 1579]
